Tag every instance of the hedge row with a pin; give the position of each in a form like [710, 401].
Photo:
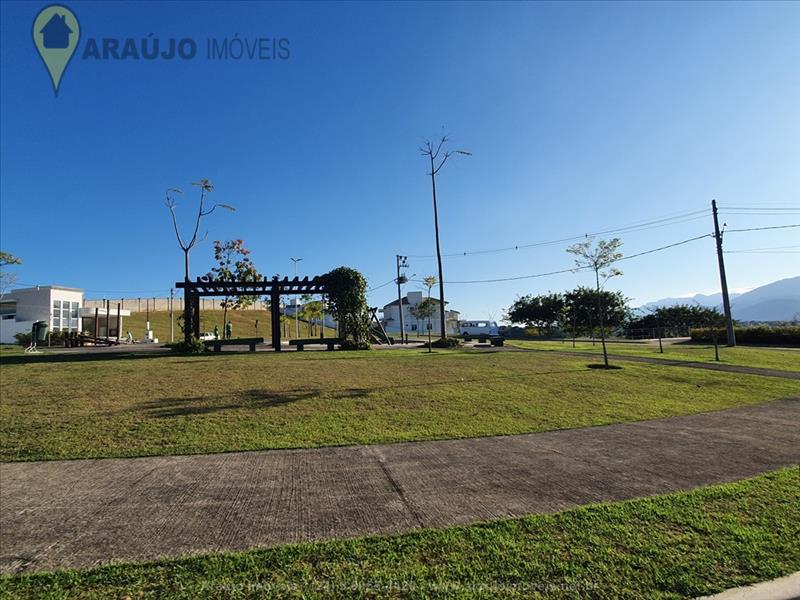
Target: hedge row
[787, 335]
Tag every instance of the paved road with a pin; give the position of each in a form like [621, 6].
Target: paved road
[81, 513]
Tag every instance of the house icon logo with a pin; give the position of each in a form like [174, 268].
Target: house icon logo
[55, 34]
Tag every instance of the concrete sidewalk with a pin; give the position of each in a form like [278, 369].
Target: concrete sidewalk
[82, 513]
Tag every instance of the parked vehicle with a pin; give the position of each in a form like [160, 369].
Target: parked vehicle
[207, 335]
[478, 328]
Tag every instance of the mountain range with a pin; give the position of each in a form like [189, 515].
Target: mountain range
[776, 301]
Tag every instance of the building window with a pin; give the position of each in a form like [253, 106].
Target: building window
[56, 315]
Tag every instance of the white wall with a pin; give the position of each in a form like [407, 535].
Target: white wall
[36, 304]
[9, 328]
[391, 318]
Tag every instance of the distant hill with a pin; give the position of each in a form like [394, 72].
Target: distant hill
[777, 301]
[709, 300]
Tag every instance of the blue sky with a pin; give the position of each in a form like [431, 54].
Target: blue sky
[580, 118]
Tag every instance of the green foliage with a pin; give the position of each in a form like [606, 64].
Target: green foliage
[9, 259]
[449, 342]
[346, 289]
[193, 346]
[424, 310]
[353, 345]
[576, 308]
[787, 335]
[545, 311]
[56, 338]
[680, 315]
[599, 258]
[7, 279]
[234, 264]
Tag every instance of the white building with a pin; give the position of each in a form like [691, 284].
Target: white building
[59, 307]
[411, 324]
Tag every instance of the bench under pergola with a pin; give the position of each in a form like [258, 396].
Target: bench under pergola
[274, 288]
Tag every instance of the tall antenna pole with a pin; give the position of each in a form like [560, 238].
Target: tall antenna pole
[726, 301]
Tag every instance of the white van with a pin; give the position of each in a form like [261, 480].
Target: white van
[478, 328]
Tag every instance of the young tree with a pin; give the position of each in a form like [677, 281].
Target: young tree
[234, 264]
[429, 282]
[423, 312]
[7, 279]
[206, 187]
[313, 311]
[347, 301]
[600, 259]
[580, 308]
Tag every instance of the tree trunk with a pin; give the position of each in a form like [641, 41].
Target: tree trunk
[600, 317]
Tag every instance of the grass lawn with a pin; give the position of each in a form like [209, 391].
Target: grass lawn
[785, 359]
[57, 407]
[244, 324]
[674, 546]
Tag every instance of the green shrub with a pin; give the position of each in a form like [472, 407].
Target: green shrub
[56, 339]
[193, 346]
[353, 345]
[786, 335]
[449, 342]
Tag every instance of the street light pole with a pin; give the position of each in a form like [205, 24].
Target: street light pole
[296, 316]
[402, 262]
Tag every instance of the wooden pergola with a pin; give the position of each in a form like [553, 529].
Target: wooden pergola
[274, 288]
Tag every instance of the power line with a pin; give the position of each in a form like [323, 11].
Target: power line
[576, 269]
[573, 270]
[762, 228]
[699, 237]
[377, 287]
[762, 249]
[674, 219]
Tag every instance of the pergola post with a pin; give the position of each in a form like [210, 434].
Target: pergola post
[187, 314]
[275, 315]
[196, 315]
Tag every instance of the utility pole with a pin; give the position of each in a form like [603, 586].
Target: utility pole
[296, 311]
[402, 262]
[726, 301]
[171, 321]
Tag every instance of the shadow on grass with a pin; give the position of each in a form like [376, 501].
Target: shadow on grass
[264, 399]
[603, 367]
[90, 356]
[164, 408]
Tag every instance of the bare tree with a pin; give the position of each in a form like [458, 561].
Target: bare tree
[206, 187]
[7, 280]
[438, 159]
[599, 259]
